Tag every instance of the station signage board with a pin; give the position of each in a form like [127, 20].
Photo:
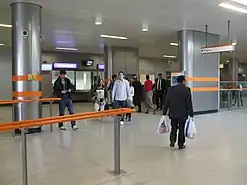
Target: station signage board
[218, 49]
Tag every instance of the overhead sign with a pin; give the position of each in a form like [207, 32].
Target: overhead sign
[217, 49]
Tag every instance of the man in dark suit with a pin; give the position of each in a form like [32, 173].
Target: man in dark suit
[160, 89]
[138, 93]
[179, 103]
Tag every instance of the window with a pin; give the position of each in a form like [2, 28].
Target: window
[70, 75]
[83, 80]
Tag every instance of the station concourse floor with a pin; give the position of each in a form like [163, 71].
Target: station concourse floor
[218, 156]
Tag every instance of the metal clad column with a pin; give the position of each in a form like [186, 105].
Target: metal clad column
[186, 52]
[108, 62]
[201, 70]
[26, 57]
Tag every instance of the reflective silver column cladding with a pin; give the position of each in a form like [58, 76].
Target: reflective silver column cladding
[186, 49]
[26, 57]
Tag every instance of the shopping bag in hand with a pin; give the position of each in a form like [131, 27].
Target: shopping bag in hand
[163, 125]
[190, 128]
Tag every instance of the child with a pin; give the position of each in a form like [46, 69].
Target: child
[130, 103]
[99, 103]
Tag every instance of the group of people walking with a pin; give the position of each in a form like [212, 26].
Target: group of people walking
[122, 93]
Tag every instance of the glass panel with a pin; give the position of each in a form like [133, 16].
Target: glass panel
[233, 94]
[83, 80]
[70, 75]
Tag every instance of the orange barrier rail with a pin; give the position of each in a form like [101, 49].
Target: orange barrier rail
[13, 102]
[52, 120]
[67, 118]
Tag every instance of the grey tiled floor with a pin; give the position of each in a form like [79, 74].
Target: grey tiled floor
[218, 156]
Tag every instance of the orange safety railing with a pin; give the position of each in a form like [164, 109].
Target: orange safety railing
[67, 118]
[52, 120]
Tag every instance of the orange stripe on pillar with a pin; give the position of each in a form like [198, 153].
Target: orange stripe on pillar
[203, 79]
[27, 94]
[26, 78]
[204, 89]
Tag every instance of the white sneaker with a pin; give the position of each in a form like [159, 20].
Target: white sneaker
[75, 127]
[62, 128]
[121, 123]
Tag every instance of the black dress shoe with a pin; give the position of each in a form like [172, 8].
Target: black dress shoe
[172, 145]
[181, 147]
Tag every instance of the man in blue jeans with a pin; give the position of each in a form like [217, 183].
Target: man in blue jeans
[121, 93]
[63, 88]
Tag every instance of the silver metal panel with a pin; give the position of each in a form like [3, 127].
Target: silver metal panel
[26, 86]
[196, 64]
[108, 62]
[26, 55]
[118, 60]
[132, 61]
[125, 59]
[186, 52]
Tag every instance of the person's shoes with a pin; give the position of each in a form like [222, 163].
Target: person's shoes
[146, 112]
[154, 111]
[139, 111]
[62, 128]
[181, 147]
[129, 119]
[121, 123]
[75, 127]
[172, 145]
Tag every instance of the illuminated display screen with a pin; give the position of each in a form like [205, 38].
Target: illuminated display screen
[101, 67]
[65, 65]
[46, 67]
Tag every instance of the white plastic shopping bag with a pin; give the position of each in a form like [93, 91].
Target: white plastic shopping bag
[164, 125]
[190, 128]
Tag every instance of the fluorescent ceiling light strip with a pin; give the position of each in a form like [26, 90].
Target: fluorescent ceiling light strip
[168, 56]
[6, 25]
[244, 2]
[173, 44]
[1, 44]
[113, 37]
[234, 8]
[69, 49]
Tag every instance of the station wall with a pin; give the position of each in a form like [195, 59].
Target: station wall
[146, 65]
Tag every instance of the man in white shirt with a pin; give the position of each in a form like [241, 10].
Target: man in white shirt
[120, 93]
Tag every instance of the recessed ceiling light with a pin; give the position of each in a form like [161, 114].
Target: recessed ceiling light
[168, 56]
[232, 7]
[1, 44]
[113, 37]
[6, 25]
[98, 19]
[244, 2]
[68, 49]
[173, 44]
[144, 26]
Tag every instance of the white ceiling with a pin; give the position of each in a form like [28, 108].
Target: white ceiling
[72, 21]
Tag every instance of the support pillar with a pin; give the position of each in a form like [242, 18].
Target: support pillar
[108, 62]
[201, 70]
[26, 59]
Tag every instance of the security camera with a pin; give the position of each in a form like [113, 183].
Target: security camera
[25, 33]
